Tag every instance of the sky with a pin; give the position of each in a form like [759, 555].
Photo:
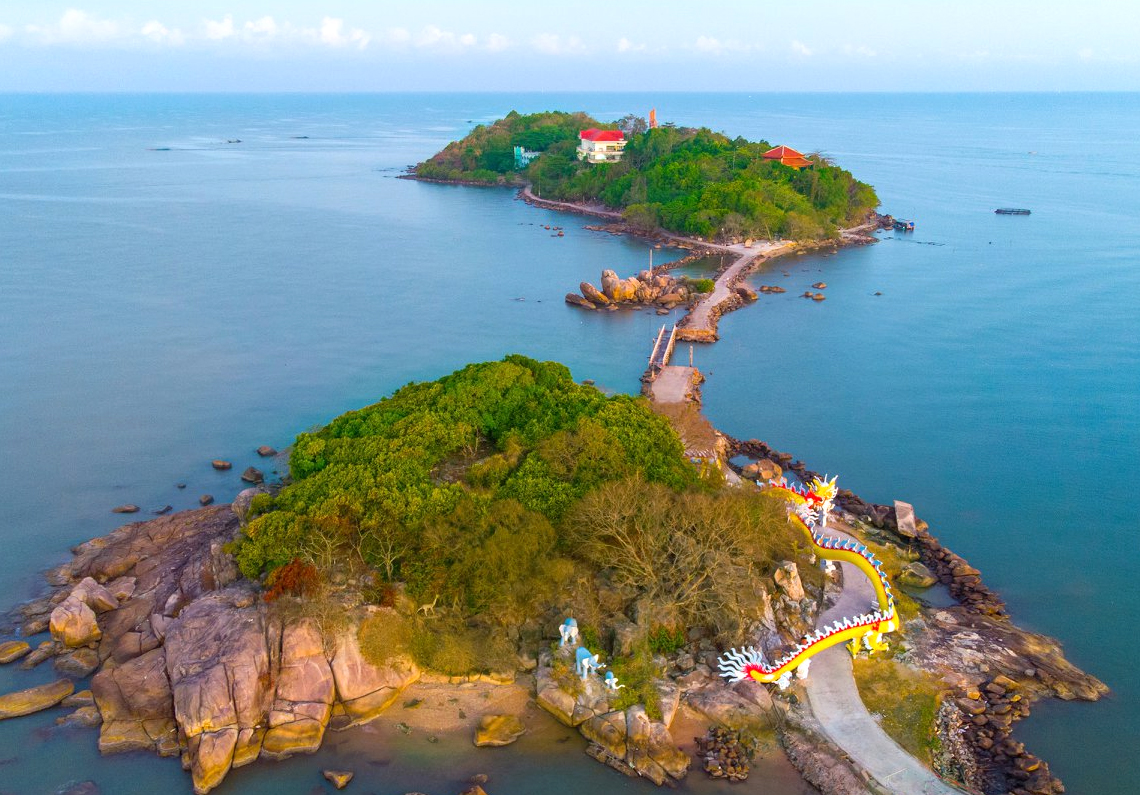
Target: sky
[623, 45]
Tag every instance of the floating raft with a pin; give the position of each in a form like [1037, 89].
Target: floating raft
[1011, 211]
[903, 225]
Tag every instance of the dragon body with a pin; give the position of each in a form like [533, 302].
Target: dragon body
[810, 508]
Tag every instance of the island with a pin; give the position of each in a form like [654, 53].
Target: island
[449, 533]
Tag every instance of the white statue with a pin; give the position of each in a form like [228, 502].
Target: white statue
[784, 680]
[568, 629]
[611, 682]
[802, 669]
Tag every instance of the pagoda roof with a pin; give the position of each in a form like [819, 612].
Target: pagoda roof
[780, 152]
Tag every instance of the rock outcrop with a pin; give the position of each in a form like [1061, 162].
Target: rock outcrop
[34, 699]
[642, 290]
[191, 660]
[498, 730]
[628, 740]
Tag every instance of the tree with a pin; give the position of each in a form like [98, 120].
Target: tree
[632, 125]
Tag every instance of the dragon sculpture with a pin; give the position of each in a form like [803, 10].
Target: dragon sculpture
[809, 510]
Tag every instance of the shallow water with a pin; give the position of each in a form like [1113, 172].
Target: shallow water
[159, 309]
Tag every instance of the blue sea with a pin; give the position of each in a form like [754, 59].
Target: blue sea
[170, 295]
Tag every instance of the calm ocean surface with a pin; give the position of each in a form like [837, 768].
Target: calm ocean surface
[167, 298]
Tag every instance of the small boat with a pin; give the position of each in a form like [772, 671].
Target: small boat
[903, 225]
[1011, 211]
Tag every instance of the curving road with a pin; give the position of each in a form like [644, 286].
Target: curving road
[835, 702]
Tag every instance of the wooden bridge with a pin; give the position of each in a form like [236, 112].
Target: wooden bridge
[662, 350]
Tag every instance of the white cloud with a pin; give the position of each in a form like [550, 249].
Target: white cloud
[862, 49]
[497, 42]
[220, 29]
[76, 27]
[264, 28]
[799, 48]
[1085, 54]
[625, 45]
[553, 44]
[435, 37]
[333, 34]
[711, 45]
[160, 34]
[5, 32]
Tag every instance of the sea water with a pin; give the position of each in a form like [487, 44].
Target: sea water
[170, 295]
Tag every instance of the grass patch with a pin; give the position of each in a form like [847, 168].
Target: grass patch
[907, 700]
[638, 673]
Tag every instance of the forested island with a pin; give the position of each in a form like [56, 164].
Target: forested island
[693, 182]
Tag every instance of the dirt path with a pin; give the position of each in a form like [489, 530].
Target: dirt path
[835, 702]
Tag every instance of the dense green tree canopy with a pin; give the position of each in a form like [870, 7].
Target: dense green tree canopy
[692, 181]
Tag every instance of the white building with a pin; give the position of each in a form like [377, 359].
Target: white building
[601, 146]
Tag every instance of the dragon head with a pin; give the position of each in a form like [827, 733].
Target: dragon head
[823, 488]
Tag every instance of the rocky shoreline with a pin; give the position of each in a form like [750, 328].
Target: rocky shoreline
[995, 670]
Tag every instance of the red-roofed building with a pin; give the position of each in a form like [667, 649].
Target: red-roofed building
[601, 146]
[787, 156]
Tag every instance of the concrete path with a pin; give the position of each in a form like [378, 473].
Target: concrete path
[702, 318]
[672, 385]
[834, 699]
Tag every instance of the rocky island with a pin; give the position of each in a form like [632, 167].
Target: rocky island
[445, 534]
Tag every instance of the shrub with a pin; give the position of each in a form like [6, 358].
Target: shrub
[384, 636]
[702, 285]
[663, 640]
[295, 578]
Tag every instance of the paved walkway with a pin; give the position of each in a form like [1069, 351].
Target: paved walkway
[673, 384]
[702, 318]
[835, 701]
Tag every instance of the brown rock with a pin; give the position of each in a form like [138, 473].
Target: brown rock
[82, 698]
[87, 717]
[767, 469]
[134, 699]
[97, 597]
[819, 286]
[305, 691]
[363, 688]
[818, 297]
[253, 475]
[128, 508]
[576, 300]
[496, 730]
[788, 579]
[205, 499]
[221, 465]
[47, 649]
[338, 778]
[593, 294]
[78, 663]
[34, 699]
[265, 451]
[73, 623]
[12, 650]
[747, 293]
[916, 575]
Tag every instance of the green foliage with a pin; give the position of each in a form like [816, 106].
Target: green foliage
[368, 487]
[665, 640]
[487, 155]
[906, 699]
[692, 181]
[638, 673]
[702, 285]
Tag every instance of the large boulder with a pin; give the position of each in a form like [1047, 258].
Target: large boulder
[135, 702]
[73, 623]
[12, 650]
[788, 579]
[609, 282]
[576, 300]
[366, 690]
[97, 597]
[496, 730]
[219, 659]
[304, 697]
[916, 575]
[593, 294]
[34, 699]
